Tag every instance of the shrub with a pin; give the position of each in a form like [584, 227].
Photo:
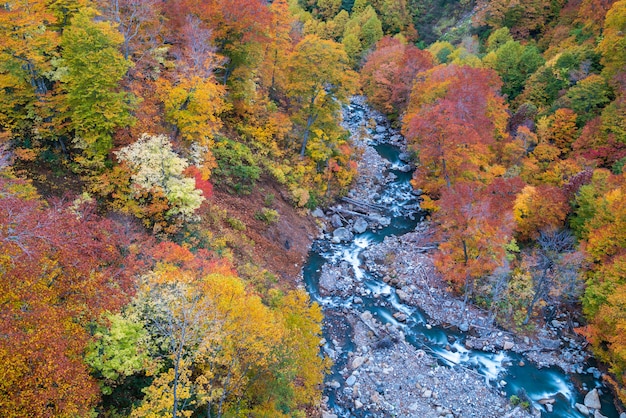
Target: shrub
[236, 165]
[269, 216]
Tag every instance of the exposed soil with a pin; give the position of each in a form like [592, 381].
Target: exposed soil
[281, 247]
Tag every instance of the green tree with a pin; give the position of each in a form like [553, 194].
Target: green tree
[364, 27]
[588, 97]
[514, 63]
[319, 80]
[120, 350]
[613, 43]
[90, 70]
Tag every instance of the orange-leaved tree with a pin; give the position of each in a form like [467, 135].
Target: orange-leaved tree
[388, 75]
[61, 267]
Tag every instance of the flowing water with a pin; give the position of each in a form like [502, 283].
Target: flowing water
[536, 383]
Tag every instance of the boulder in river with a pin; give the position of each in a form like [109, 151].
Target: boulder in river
[342, 234]
[382, 220]
[592, 400]
[404, 156]
[335, 221]
[400, 316]
[360, 225]
[582, 409]
[404, 296]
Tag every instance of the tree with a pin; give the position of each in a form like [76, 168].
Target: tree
[119, 350]
[157, 168]
[395, 16]
[475, 226]
[388, 75]
[327, 9]
[514, 63]
[613, 43]
[588, 97]
[238, 27]
[61, 267]
[90, 70]
[456, 123]
[192, 105]
[603, 302]
[362, 31]
[30, 44]
[319, 80]
[559, 130]
[443, 143]
[537, 209]
[138, 22]
[523, 18]
[554, 269]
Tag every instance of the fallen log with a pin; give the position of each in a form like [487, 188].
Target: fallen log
[363, 204]
[354, 213]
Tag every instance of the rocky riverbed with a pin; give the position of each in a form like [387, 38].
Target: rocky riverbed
[405, 263]
[378, 372]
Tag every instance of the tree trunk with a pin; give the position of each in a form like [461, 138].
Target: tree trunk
[539, 291]
[447, 177]
[309, 122]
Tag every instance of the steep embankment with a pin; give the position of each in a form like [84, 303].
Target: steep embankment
[281, 246]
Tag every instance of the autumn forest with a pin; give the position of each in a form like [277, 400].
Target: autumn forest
[149, 149]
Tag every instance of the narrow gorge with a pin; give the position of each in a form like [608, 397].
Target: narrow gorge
[401, 344]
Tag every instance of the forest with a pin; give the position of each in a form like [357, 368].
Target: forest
[132, 285]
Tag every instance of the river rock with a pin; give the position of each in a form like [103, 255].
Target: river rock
[464, 327]
[351, 380]
[358, 404]
[381, 129]
[400, 316]
[404, 156]
[358, 362]
[366, 316]
[550, 344]
[342, 234]
[597, 414]
[508, 345]
[404, 296]
[317, 213]
[360, 225]
[592, 400]
[335, 221]
[582, 409]
[383, 220]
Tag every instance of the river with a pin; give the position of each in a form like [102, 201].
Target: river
[500, 369]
